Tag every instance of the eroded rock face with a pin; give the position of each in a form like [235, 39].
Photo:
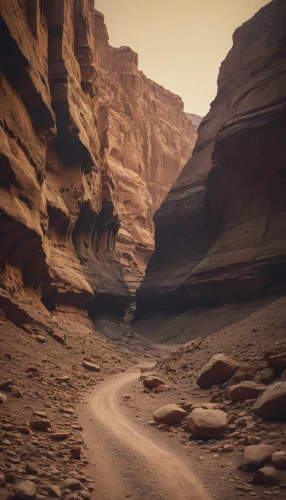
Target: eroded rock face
[58, 216]
[147, 138]
[220, 232]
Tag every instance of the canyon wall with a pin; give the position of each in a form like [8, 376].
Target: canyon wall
[88, 148]
[58, 220]
[220, 233]
[147, 138]
[195, 119]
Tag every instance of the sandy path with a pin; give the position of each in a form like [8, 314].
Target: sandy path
[128, 463]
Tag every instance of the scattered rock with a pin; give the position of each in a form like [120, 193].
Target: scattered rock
[5, 385]
[71, 484]
[163, 388]
[40, 425]
[278, 361]
[153, 382]
[16, 392]
[59, 436]
[272, 404]
[3, 398]
[207, 423]
[244, 390]
[254, 439]
[84, 494]
[278, 459]
[2, 481]
[54, 491]
[267, 375]
[41, 339]
[255, 456]
[31, 468]
[25, 490]
[267, 475]
[169, 414]
[59, 337]
[76, 452]
[91, 366]
[219, 369]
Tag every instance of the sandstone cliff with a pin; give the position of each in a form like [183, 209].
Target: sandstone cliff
[58, 218]
[220, 232]
[89, 148]
[147, 138]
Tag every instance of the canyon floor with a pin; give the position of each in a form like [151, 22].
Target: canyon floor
[75, 433]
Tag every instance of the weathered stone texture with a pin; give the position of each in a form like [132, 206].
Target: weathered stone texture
[58, 221]
[220, 232]
[147, 138]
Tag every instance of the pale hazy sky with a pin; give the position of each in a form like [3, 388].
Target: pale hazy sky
[181, 43]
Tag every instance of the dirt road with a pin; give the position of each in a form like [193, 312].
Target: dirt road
[129, 463]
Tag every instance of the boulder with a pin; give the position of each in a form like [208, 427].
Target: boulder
[169, 414]
[153, 382]
[26, 490]
[255, 456]
[278, 459]
[207, 423]
[219, 369]
[244, 390]
[272, 404]
[267, 475]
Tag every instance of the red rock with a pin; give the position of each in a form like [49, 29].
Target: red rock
[153, 382]
[278, 459]
[25, 490]
[91, 366]
[272, 404]
[267, 475]
[59, 436]
[277, 361]
[213, 220]
[5, 385]
[245, 390]
[207, 423]
[40, 425]
[218, 370]
[169, 414]
[255, 456]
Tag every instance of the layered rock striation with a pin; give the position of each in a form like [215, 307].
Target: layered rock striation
[220, 232]
[88, 148]
[147, 138]
[58, 219]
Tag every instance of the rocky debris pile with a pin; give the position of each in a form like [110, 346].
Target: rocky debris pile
[42, 449]
[243, 413]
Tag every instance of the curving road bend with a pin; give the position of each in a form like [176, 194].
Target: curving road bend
[129, 464]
